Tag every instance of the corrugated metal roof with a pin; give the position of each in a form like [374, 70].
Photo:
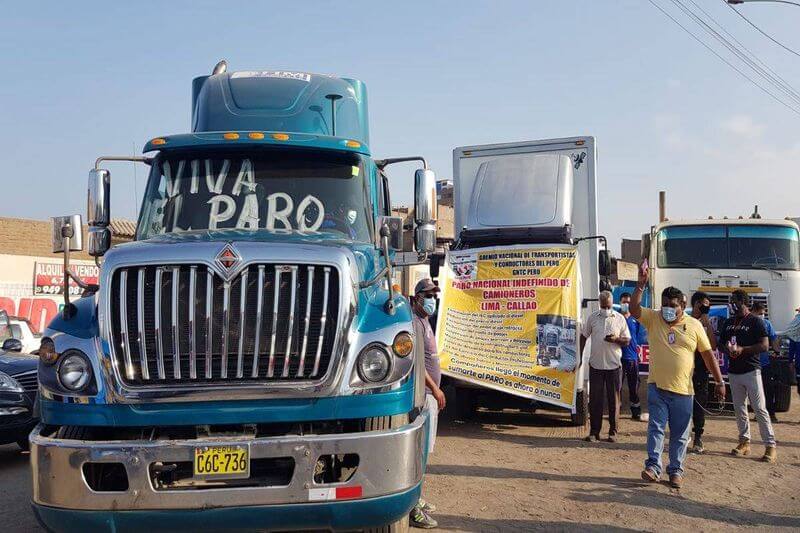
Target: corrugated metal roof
[122, 229]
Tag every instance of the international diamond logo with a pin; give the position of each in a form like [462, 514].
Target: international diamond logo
[228, 258]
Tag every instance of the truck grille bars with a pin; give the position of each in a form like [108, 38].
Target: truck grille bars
[185, 324]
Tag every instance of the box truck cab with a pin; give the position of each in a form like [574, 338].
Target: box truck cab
[541, 195]
[244, 363]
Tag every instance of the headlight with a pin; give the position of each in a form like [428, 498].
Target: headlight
[373, 364]
[47, 351]
[403, 344]
[9, 384]
[75, 371]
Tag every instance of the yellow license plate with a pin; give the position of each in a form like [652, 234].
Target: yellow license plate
[222, 462]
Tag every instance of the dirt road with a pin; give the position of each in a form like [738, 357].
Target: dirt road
[506, 471]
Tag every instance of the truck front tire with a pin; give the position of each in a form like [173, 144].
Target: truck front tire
[580, 416]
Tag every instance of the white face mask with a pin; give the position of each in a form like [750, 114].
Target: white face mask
[606, 312]
[351, 216]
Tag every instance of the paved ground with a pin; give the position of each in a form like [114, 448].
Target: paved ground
[513, 472]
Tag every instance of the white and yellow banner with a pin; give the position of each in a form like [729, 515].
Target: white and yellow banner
[508, 320]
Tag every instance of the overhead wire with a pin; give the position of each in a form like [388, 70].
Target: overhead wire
[757, 69]
[762, 32]
[724, 60]
[782, 80]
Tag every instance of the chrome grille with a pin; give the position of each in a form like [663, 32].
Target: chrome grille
[29, 380]
[722, 299]
[179, 324]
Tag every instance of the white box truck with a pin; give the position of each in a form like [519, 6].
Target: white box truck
[523, 274]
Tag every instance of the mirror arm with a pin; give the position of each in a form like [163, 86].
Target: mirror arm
[67, 232]
[134, 158]
[383, 163]
[600, 238]
[386, 271]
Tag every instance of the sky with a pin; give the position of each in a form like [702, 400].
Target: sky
[88, 79]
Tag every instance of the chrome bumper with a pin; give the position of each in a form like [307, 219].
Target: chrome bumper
[390, 461]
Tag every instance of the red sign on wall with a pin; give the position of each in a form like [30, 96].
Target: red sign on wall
[48, 278]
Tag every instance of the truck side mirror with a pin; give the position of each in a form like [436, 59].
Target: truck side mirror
[395, 225]
[604, 262]
[70, 226]
[99, 194]
[646, 243]
[425, 210]
[99, 212]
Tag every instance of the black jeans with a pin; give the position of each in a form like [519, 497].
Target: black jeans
[700, 380]
[604, 387]
[768, 378]
[631, 371]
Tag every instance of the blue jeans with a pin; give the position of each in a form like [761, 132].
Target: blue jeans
[667, 407]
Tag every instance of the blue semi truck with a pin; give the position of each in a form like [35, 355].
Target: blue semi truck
[243, 364]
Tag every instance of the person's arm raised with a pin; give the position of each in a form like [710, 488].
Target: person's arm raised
[636, 299]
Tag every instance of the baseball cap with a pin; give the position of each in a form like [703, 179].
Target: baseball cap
[425, 285]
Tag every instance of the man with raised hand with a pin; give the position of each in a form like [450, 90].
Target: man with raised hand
[674, 337]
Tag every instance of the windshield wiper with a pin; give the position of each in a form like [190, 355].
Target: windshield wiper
[689, 264]
[762, 267]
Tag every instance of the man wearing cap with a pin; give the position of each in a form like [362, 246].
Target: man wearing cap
[423, 303]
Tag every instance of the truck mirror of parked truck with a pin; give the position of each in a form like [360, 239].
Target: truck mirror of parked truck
[99, 194]
[69, 226]
[604, 263]
[12, 345]
[425, 210]
[99, 241]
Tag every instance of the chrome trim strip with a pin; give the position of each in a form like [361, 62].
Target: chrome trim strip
[276, 293]
[140, 325]
[192, 326]
[123, 323]
[309, 292]
[209, 321]
[159, 346]
[226, 314]
[259, 305]
[289, 333]
[322, 319]
[176, 351]
[242, 302]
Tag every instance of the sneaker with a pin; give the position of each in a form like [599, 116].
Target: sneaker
[591, 437]
[637, 417]
[419, 518]
[742, 449]
[649, 475]
[770, 454]
[612, 437]
[675, 481]
[427, 507]
[773, 418]
[698, 447]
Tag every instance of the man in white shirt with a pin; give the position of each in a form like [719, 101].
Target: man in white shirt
[609, 332]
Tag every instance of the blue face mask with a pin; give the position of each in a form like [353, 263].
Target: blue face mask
[624, 308]
[669, 313]
[429, 306]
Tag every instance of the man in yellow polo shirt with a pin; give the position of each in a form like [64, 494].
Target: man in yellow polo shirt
[674, 336]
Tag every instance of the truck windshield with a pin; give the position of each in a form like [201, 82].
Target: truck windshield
[273, 190]
[733, 246]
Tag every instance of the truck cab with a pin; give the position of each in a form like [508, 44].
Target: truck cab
[244, 363]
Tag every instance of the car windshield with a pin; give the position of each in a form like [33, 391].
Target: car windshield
[733, 246]
[273, 190]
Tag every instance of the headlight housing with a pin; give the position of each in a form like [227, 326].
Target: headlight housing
[47, 351]
[373, 364]
[9, 384]
[74, 371]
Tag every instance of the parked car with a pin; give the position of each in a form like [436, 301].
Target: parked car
[18, 388]
[21, 329]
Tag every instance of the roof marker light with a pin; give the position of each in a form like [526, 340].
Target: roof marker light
[256, 135]
[352, 144]
[159, 141]
[231, 136]
[280, 136]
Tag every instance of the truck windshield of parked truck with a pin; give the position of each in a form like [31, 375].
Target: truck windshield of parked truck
[274, 190]
[729, 246]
